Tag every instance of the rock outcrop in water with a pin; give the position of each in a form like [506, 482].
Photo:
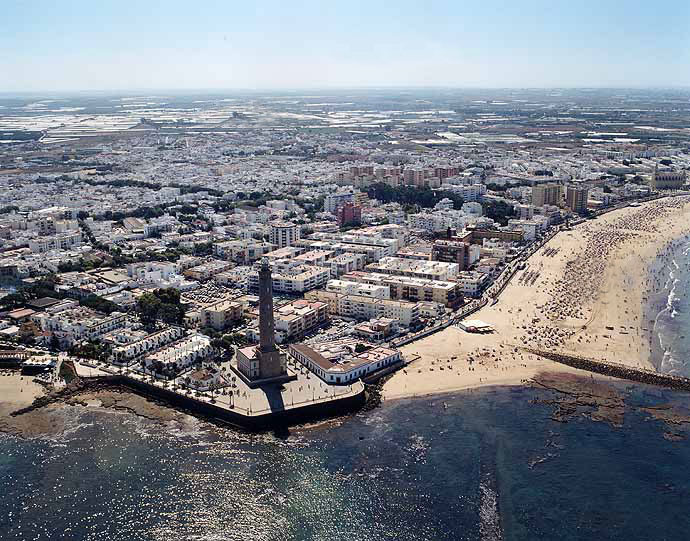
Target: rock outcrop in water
[576, 395]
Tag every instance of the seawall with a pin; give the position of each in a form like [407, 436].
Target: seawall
[206, 410]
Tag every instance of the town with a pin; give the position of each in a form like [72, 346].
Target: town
[268, 260]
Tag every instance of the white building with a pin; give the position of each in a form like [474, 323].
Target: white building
[160, 274]
[339, 363]
[356, 288]
[529, 228]
[182, 353]
[62, 241]
[146, 344]
[291, 277]
[332, 201]
[284, 234]
[345, 263]
[430, 270]
[242, 251]
[75, 324]
[472, 283]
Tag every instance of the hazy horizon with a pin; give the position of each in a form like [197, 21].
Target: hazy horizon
[334, 89]
[216, 46]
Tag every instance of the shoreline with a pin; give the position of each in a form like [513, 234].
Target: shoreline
[593, 298]
[658, 303]
[540, 308]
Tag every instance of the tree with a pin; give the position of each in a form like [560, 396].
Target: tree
[163, 304]
[171, 313]
[360, 348]
[99, 303]
[13, 300]
[148, 306]
[498, 211]
[168, 295]
[235, 339]
[411, 195]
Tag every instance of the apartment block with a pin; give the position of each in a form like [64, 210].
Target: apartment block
[127, 352]
[364, 308]
[284, 233]
[62, 241]
[429, 270]
[292, 277]
[75, 324]
[242, 251]
[546, 194]
[576, 199]
[220, 315]
[464, 254]
[448, 293]
[207, 270]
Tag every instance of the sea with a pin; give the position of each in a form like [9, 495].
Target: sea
[672, 323]
[488, 464]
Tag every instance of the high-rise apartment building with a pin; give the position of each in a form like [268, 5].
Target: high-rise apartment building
[546, 194]
[576, 199]
[349, 214]
[284, 234]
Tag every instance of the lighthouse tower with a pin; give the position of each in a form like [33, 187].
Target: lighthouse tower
[270, 362]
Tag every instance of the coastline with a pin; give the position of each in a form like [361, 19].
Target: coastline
[658, 302]
[593, 297]
[594, 291]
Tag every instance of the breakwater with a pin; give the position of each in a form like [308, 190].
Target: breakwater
[615, 370]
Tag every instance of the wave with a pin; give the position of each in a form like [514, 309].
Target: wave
[489, 518]
[673, 321]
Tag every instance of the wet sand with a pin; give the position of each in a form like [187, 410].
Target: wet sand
[18, 392]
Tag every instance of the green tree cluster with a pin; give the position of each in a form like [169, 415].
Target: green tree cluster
[100, 304]
[499, 211]
[163, 305]
[411, 195]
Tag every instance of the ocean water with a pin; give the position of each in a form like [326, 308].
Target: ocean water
[483, 465]
[672, 324]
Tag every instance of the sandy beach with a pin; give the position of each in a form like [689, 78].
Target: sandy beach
[16, 392]
[585, 292]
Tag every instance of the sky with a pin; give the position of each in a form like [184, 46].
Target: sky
[49, 45]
